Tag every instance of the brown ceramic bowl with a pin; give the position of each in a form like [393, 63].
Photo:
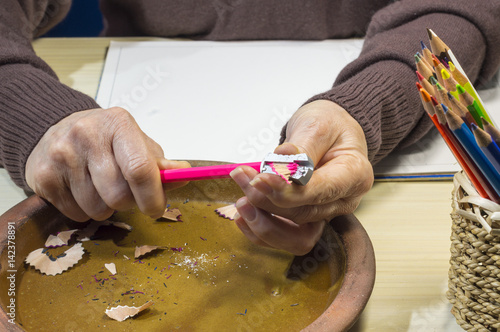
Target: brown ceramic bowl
[35, 220]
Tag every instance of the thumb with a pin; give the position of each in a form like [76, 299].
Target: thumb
[304, 139]
[314, 129]
[287, 148]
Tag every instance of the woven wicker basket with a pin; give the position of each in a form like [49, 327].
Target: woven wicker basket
[474, 275]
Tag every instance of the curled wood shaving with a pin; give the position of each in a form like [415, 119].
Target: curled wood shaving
[120, 313]
[143, 250]
[284, 170]
[227, 211]
[59, 240]
[172, 214]
[42, 260]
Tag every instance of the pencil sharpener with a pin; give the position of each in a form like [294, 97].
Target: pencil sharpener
[301, 166]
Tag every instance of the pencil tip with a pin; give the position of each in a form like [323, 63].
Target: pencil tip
[445, 108]
[419, 76]
[445, 74]
[425, 95]
[430, 33]
[473, 126]
[422, 45]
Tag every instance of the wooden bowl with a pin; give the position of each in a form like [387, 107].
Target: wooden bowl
[34, 219]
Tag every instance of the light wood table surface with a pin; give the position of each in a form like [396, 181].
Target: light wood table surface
[408, 222]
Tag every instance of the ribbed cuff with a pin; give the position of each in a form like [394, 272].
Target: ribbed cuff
[31, 101]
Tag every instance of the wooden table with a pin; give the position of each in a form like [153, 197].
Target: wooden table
[409, 222]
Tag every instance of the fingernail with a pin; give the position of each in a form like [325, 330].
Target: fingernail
[246, 210]
[239, 176]
[261, 186]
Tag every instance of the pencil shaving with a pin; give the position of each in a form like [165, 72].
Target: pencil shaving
[143, 250]
[111, 268]
[284, 170]
[42, 260]
[228, 211]
[121, 313]
[59, 240]
[172, 214]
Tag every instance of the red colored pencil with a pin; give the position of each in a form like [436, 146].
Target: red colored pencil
[473, 173]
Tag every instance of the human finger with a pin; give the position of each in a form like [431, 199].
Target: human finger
[277, 232]
[86, 196]
[339, 179]
[110, 183]
[137, 161]
[246, 177]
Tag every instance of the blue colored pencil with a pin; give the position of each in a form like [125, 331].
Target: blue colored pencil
[466, 138]
[487, 145]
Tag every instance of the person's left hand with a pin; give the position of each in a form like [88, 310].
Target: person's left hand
[292, 217]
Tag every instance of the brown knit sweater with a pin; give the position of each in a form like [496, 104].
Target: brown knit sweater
[377, 89]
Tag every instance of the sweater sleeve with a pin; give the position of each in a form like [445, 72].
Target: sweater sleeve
[31, 97]
[378, 88]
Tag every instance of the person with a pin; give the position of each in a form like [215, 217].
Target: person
[88, 161]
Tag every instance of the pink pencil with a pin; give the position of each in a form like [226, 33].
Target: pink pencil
[296, 168]
[203, 172]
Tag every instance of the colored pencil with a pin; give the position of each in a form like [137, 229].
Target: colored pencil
[468, 142]
[202, 172]
[468, 101]
[467, 85]
[425, 97]
[443, 52]
[443, 95]
[488, 146]
[461, 110]
[456, 112]
[434, 82]
[439, 110]
[423, 68]
[449, 82]
[425, 83]
[463, 159]
[427, 54]
[438, 66]
[457, 74]
[493, 131]
[474, 175]
[438, 47]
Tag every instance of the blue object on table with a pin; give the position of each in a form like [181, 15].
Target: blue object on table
[83, 20]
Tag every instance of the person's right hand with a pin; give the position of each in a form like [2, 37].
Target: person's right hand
[96, 161]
